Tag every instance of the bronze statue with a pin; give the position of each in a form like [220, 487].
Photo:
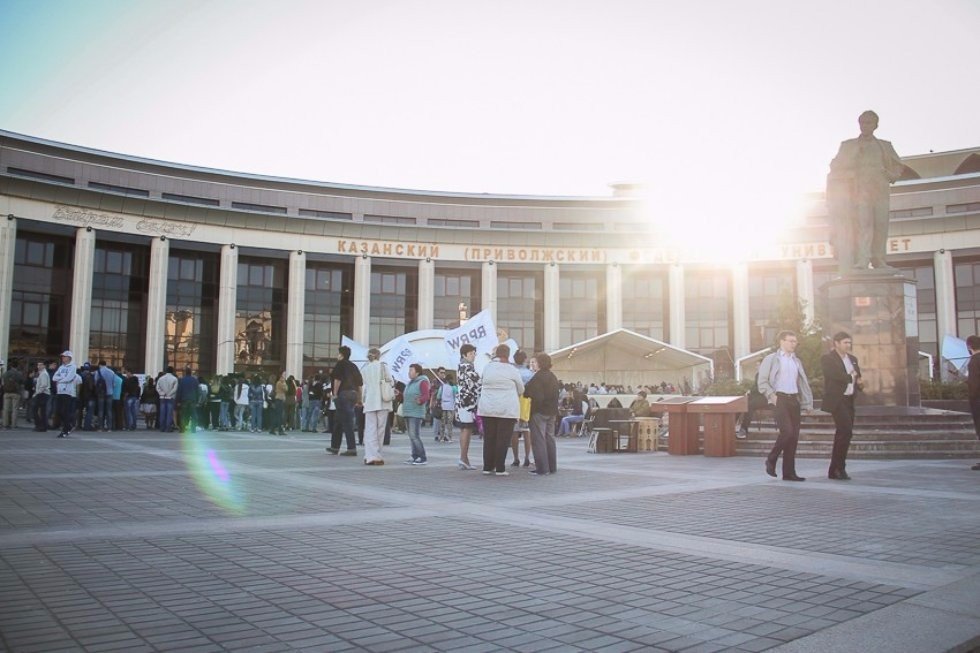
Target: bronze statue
[857, 197]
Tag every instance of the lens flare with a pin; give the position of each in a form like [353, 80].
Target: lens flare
[211, 476]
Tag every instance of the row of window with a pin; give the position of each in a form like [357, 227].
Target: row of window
[325, 215]
[41, 304]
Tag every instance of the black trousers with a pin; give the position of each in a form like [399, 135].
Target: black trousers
[39, 411]
[66, 411]
[496, 442]
[975, 411]
[788, 422]
[344, 419]
[844, 421]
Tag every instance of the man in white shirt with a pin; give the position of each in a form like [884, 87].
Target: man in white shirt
[783, 381]
[42, 392]
[167, 389]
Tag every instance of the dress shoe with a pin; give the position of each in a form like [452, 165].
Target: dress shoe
[793, 478]
[771, 468]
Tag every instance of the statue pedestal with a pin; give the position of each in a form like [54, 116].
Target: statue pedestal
[879, 311]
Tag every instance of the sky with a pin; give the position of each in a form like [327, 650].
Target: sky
[714, 105]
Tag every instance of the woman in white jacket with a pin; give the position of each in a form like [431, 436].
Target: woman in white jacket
[376, 409]
[499, 407]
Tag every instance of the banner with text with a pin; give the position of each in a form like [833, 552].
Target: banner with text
[399, 356]
[478, 331]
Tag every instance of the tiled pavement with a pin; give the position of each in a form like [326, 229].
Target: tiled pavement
[145, 542]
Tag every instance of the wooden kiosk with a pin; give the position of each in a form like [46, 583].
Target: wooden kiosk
[718, 418]
[683, 427]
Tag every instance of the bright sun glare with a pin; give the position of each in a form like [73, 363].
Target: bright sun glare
[722, 221]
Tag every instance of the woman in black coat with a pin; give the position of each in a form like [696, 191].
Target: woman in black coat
[542, 390]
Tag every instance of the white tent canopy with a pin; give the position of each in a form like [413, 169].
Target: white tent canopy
[624, 357]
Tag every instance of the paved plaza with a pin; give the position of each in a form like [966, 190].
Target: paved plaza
[140, 541]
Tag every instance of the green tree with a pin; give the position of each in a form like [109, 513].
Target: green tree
[791, 316]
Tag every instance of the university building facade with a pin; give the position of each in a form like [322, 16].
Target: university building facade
[147, 264]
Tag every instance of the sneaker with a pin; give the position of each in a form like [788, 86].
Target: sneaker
[410, 461]
[503, 473]
[350, 452]
[516, 463]
[419, 461]
[62, 435]
[332, 451]
[741, 435]
[486, 472]
[976, 467]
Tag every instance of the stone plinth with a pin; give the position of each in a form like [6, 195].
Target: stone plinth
[879, 311]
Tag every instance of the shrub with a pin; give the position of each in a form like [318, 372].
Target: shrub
[940, 390]
[727, 388]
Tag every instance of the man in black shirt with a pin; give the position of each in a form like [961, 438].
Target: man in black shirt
[347, 384]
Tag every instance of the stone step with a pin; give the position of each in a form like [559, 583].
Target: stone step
[868, 425]
[873, 449]
[827, 435]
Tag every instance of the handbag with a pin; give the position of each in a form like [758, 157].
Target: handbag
[387, 391]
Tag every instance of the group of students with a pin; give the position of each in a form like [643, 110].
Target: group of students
[508, 397]
[101, 398]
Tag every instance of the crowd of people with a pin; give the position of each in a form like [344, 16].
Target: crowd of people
[663, 388]
[510, 403]
[105, 399]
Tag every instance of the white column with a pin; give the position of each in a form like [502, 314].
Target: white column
[427, 294]
[804, 289]
[488, 289]
[295, 313]
[227, 305]
[614, 297]
[156, 305]
[8, 241]
[362, 301]
[81, 298]
[740, 313]
[942, 263]
[552, 312]
[675, 299]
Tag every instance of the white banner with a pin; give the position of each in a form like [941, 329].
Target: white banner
[399, 356]
[478, 331]
[358, 352]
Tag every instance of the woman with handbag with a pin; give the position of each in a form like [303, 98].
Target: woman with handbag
[378, 393]
[499, 407]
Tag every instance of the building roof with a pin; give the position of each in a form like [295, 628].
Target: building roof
[177, 168]
[624, 357]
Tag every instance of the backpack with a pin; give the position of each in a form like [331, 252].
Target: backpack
[10, 383]
[88, 384]
[100, 385]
